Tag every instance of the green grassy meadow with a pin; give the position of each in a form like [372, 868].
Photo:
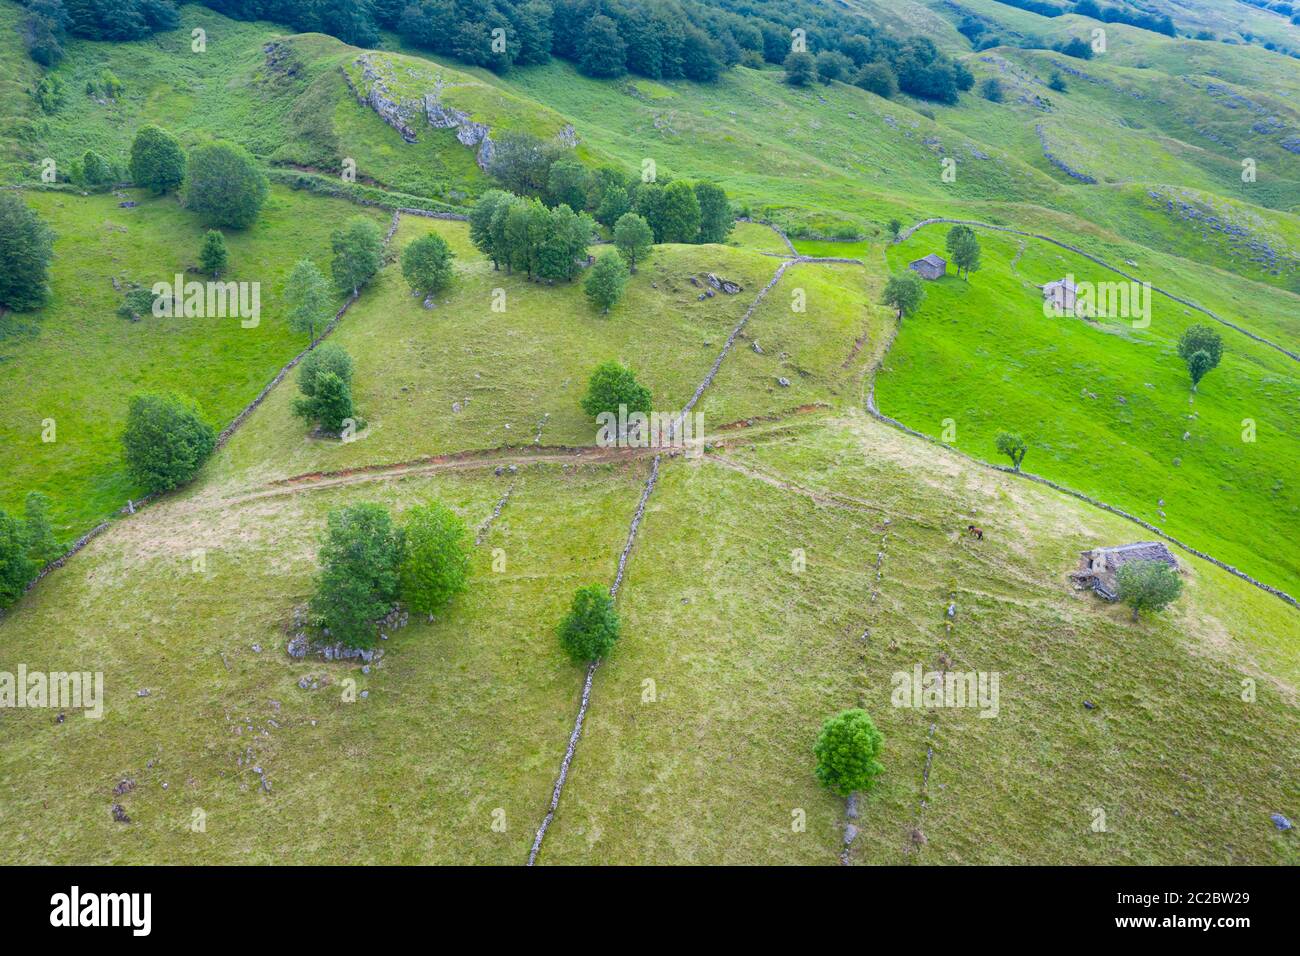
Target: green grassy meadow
[79, 337]
[1104, 406]
[809, 555]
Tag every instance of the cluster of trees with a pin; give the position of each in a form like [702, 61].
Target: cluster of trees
[521, 233]
[677, 210]
[1156, 23]
[47, 23]
[27, 544]
[26, 248]
[963, 249]
[367, 564]
[884, 66]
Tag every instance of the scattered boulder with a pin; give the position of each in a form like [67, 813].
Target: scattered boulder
[119, 814]
[124, 786]
[783, 382]
[1279, 821]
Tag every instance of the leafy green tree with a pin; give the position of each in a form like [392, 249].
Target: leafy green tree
[95, 170]
[591, 628]
[895, 227]
[157, 160]
[426, 264]
[877, 77]
[214, 258]
[1148, 585]
[1013, 446]
[26, 247]
[436, 565]
[680, 215]
[612, 385]
[800, 69]
[1057, 83]
[38, 533]
[166, 440]
[633, 238]
[358, 254]
[716, 219]
[563, 244]
[481, 218]
[601, 50]
[16, 568]
[606, 281]
[359, 556]
[567, 184]
[522, 163]
[904, 292]
[527, 225]
[848, 751]
[225, 187]
[648, 202]
[1201, 348]
[325, 381]
[964, 248]
[306, 298]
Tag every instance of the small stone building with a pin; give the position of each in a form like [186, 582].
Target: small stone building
[929, 267]
[1062, 294]
[1098, 568]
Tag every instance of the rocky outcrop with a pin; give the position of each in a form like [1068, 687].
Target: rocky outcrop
[405, 115]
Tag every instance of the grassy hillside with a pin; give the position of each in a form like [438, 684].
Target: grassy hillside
[1104, 406]
[79, 361]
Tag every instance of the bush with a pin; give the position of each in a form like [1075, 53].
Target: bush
[847, 752]
[991, 89]
[359, 558]
[95, 170]
[157, 160]
[426, 264]
[1057, 83]
[226, 187]
[800, 69]
[26, 247]
[1148, 585]
[591, 628]
[606, 281]
[213, 256]
[877, 78]
[325, 380]
[136, 304]
[166, 440]
[832, 65]
[612, 385]
[435, 566]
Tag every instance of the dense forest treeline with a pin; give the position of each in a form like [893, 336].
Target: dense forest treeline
[659, 39]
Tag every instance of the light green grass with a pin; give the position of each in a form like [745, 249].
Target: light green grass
[983, 355]
[77, 362]
[463, 717]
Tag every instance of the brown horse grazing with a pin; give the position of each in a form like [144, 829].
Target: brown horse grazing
[974, 532]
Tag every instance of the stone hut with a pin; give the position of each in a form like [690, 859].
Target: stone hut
[1099, 568]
